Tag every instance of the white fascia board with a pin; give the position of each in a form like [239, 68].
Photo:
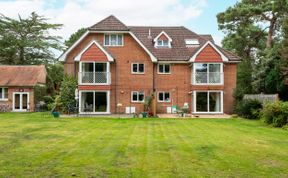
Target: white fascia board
[223, 57]
[109, 57]
[62, 58]
[170, 39]
[153, 58]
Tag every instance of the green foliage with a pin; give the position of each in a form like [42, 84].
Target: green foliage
[147, 102]
[67, 92]
[249, 109]
[39, 93]
[27, 41]
[275, 113]
[74, 37]
[55, 74]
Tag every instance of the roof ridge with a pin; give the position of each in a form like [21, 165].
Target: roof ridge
[105, 19]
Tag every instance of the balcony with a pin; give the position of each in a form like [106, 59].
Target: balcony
[204, 78]
[94, 78]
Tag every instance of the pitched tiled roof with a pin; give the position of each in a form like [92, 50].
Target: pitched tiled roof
[207, 37]
[22, 75]
[110, 23]
[178, 52]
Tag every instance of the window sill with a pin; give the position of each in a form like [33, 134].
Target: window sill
[4, 99]
[138, 73]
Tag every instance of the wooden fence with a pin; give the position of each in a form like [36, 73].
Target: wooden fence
[262, 97]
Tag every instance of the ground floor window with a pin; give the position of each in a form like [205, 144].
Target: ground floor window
[163, 97]
[137, 96]
[3, 93]
[208, 101]
[94, 101]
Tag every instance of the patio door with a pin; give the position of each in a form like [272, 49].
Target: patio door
[208, 102]
[21, 101]
[95, 102]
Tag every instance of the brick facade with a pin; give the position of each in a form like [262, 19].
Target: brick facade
[123, 82]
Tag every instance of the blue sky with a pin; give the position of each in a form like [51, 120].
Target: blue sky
[197, 15]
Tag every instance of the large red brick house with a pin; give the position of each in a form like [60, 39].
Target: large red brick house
[118, 65]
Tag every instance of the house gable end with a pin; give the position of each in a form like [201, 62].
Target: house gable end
[208, 53]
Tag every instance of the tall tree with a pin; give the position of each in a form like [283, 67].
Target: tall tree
[266, 14]
[74, 37]
[27, 41]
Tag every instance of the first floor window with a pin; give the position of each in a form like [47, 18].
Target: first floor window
[137, 68]
[164, 97]
[164, 68]
[113, 40]
[3, 93]
[208, 101]
[137, 96]
[208, 73]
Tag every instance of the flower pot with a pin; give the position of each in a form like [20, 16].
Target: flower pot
[56, 114]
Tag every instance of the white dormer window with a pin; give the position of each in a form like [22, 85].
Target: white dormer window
[192, 42]
[162, 40]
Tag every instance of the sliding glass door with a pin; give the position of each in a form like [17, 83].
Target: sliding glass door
[208, 101]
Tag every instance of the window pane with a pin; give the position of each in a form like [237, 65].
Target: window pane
[199, 67]
[134, 96]
[159, 42]
[135, 67]
[165, 43]
[161, 68]
[160, 97]
[141, 96]
[106, 40]
[120, 38]
[214, 67]
[215, 102]
[6, 93]
[201, 73]
[167, 68]
[167, 97]
[141, 68]
[201, 102]
[1, 92]
[113, 40]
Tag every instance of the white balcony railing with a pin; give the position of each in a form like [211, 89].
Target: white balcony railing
[94, 77]
[204, 78]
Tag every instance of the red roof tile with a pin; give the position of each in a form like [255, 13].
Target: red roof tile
[22, 75]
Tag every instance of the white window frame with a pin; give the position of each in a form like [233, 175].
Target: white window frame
[94, 91]
[163, 101]
[21, 100]
[107, 73]
[194, 101]
[194, 76]
[162, 43]
[164, 64]
[137, 68]
[2, 97]
[117, 36]
[137, 96]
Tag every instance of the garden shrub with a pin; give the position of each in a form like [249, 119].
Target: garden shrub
[275, 113]
[249, 109]
[67, 92]
[39, 93]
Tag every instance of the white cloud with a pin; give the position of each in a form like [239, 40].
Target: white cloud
[83, 13]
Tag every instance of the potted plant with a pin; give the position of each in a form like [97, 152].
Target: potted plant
[56, 107]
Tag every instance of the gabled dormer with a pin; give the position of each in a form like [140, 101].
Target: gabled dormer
[162, 40]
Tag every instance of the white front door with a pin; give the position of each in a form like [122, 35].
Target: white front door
[20, 101]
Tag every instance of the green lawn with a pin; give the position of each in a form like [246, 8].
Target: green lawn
[35, 145]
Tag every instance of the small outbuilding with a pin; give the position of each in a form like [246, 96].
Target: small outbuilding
[17, 84]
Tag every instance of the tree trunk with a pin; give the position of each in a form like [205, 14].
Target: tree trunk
[271, 33]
